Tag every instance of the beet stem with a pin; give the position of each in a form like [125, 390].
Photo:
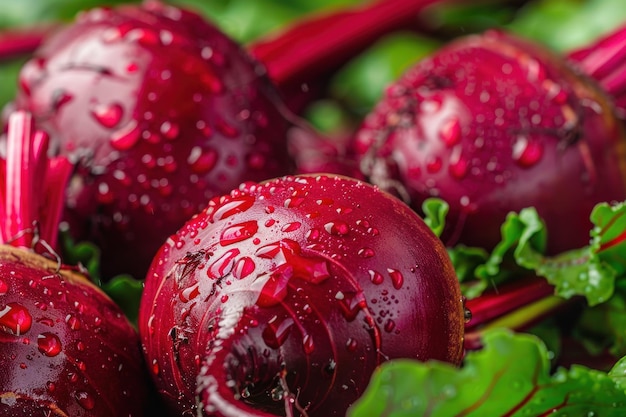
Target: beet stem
[16, 43]
[605, 61]
[33, 186]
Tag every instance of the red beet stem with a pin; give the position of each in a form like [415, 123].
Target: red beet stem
[32, 187]
[500, 301]
[605, 61]
[316, 46]
[18, 42]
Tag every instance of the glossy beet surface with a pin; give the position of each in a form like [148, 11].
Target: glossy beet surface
[161, 111]
[494, 124]
[67, 349]
[285, 295]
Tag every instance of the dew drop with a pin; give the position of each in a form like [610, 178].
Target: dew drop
[202, 161]
[450, 132]
[85, 400]
[238, 232]
[291, 227]
[243, 267]
[458, 167]
[49, 344]
[527, 153]
[234, 206]
[15, 319]
[434, 164]
[307, 344]
[351, 344]
[376, 277]
[51, 386]
[389, 325]
[277, 331]
[126, 137]
[366, 252]
[169, 130]
[337, 228]
[73, 322]
[108, 115]
[396, 278]
[223, 264]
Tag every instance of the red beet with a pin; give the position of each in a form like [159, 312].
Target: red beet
[281, 298]
[67, 349]
[161, 112]
[492, 124]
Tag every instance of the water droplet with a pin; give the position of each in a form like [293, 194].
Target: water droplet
[51, 386]
[351, 304]
[294, 202]
[49, 344]
[189, 293]
[351, 344]
[60, 97]
[238, 232]
[224, 298]
[223, 264]
[291, 227]
[108, 115]
[15, 319]
[458, 166]
[73, 322]
[155, 367]
[169, 130]
[376, 277]
[337, 228]
[313, 235]
[366, 252]
[450, 132]
[389, 325]
[527, 153]
[243, 267]
[434, 164]
[396, 278]
[307, 344]
[4, 287]
[86, 400]
[233, 206]
[277, 331]
[202, 161]
[126, 137]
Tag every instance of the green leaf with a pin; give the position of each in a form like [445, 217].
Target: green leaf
[510, 377]
[466, 260]
[126, 292]
[435, 211]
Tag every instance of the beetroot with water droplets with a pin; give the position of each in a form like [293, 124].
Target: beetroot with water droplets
[492, 123]
[67, 348]
[282, 297]
[161, 111]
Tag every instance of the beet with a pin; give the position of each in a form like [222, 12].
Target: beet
[491, 124]
[161, 112]
[285, 295]
[67, 349]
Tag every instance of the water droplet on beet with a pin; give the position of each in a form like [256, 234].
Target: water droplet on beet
[85, 400]
[351, 304]
[277, 331]
[526, 152]
[450, 132]
[126, 137]
[366, 252]
[202, 161]
[224, 298]
[73, 322]
[337, 228]
[238, 232]
[307, 344]
[291, 227]
[105, 195]
[397, 278]
[155, 367]
[351, 344]
[243, 267]
[108, 115]
[169, 130]
[51, 386]
[389, 326]
[376, 277]
[189, 293]
[233, 206]
[458, 166]
[49, 344]
[15, 319]
[223, 265]
[434, 164]
[4, 287]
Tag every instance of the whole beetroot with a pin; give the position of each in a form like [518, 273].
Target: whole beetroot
[67, 349]
[492, 124]
[161, 112]
[282, 297]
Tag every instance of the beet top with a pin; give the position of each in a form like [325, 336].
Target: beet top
[161, 112]
[492, 124]
[285, 295]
